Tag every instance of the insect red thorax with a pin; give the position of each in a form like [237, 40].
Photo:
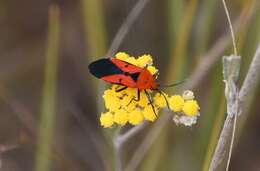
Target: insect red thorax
[146, 81]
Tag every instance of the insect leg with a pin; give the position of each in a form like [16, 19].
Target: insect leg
[138, 97]
[150, 101]
[121, 89]
[167, 103]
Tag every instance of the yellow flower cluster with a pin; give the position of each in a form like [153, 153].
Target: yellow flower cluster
[121, 111]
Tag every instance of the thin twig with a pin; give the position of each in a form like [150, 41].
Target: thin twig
[214, 54]
[232, 142]
[121, 139]
[236, 114]
[21, 112]
[147, 143]
[224, 136]
[252, 77]
[230, 27]
[131, 18]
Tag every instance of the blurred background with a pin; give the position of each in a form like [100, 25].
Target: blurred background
[47, 95]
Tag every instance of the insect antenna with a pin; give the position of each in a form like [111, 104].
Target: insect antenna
[166, 86]
[172, 85]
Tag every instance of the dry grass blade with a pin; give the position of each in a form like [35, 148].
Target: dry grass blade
[48, 108]
[123, 30]
[214, 54]
[146, 144]
[252, 78]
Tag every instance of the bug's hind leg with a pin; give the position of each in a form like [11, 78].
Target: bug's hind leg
[120, 89]
[133, 99]
[167, 103]
[151, 102]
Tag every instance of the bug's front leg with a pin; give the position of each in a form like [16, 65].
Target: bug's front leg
[138, 97]
[120, 89]
[150, 102]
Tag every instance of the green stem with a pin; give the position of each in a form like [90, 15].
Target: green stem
[48, 108]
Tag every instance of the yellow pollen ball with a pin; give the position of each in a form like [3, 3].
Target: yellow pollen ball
[131, 60]
[122, 56]
[112, 102]
[132, 92]
[176, 103]
[191, 108]
[121, 117]
[144, 60]
[107, 119]
[159, 100]
[152, 69]
[136, 117]
[143, 100]
[149, 113]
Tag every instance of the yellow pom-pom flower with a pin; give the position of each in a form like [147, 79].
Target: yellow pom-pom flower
[107, 119]
[159, 100]
[176, 103]
[152, 70]
[121, 117]
[144, 60]
[122, 56]
[124, 108]
[111, 100]
[191, 108]
[143, 102]
[149, 114]
[136, 117]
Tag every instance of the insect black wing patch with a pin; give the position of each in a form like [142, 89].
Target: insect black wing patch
[104, 67]
[135, 76]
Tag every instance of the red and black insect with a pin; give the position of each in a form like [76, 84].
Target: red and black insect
[122, 73]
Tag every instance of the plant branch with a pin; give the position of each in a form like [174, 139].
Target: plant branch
[214, 54]
[231, 67]
[147, 143]
[121, 139]
[252, 77]
[123, 30]
[230, 27]
[248, 87]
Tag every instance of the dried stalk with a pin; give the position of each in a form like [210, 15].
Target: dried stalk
[248, 87]
[252, 78]
[147, 143]
[121, 139]
[121, 33]
[231, 67]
